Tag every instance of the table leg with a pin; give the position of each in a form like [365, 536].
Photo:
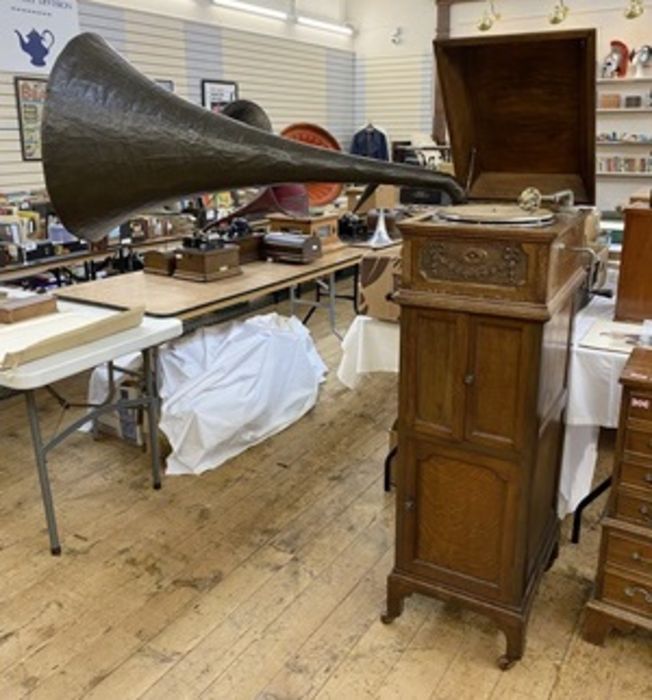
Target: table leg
[356, 284]
[584, 503]
[149, 368]
[42, 467]
[331, 304]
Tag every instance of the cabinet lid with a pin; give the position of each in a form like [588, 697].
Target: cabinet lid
[521, 112]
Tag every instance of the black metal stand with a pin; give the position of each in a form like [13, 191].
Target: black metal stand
[584, 503]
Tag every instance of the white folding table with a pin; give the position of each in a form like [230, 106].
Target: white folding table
[42, 373]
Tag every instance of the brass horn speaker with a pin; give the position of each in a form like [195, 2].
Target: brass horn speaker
[115, 143]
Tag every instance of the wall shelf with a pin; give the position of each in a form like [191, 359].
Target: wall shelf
[625, 110]
[626, 175]
[625, 81]
[644, 144]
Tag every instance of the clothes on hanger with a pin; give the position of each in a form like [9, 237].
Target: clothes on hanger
[371, 142]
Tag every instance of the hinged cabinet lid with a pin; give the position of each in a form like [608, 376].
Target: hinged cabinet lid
[521, 112]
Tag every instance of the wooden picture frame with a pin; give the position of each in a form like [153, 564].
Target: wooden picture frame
[215, 94]
[30, 99]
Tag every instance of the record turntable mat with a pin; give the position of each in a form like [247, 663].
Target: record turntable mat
[505, 214]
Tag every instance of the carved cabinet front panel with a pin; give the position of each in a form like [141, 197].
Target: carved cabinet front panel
[498, 378]
[434, 342]
[461, 519]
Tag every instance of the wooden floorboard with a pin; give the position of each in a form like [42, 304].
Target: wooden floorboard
[264, 578]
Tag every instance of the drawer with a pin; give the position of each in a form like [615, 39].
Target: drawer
[639, 442]
[636, 475]
[634, 508]
[627, 592]
[629, 552]
[640, 407]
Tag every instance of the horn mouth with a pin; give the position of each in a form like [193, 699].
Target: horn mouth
[115, 144]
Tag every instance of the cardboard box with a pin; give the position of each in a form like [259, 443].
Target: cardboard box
[385, 197]
[129, 424]
[380, 276]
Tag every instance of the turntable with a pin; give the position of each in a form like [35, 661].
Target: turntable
[487, 301]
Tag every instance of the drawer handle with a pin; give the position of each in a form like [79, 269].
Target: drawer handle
[632, 592]
[648, 478]
[645, 512]
[641, 560]
[410, 505]
[470, 379]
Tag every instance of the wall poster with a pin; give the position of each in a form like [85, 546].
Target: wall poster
[216, 94]
[30, 98]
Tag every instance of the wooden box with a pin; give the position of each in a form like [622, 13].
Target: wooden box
[159, 262]
[623, 591]
[292, 247]
[486, 322]
[15, 309]
[325, 226]
[208, 265]
[634, 300]
[251, 247]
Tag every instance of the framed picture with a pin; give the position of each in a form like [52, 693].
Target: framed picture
[215, 94]
[166, 84]
[30, 98]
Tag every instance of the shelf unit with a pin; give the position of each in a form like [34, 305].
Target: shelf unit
[615, 188]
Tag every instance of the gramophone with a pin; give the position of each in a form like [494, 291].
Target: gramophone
[115, 144]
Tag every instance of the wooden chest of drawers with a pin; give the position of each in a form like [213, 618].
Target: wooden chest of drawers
[623, 591]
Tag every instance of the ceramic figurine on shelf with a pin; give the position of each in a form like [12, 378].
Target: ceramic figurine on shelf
[641, 59]
[616, 63]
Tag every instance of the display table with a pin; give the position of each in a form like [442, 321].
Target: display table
[594, 392]
[42, 373]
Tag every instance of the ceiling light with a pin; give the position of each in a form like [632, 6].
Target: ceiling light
[252, 9]
[326, 26]
[559, 12]
[635, 9]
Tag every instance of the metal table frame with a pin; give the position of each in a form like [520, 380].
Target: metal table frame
[148, 400]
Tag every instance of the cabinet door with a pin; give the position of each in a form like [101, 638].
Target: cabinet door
[433, 359]
[458, 520]
[501, 381]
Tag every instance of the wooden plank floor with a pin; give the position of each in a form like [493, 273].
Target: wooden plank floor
[262, 579]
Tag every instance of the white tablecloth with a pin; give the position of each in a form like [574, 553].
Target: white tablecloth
[594, 391]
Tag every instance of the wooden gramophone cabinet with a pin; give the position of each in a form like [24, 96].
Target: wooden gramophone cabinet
[486, 320]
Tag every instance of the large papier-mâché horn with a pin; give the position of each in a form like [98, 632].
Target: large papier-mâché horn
[115, 143]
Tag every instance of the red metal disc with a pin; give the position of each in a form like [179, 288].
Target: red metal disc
[319, 193]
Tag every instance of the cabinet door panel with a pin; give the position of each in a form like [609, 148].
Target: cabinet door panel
[461, 520]
[498, 379]
[435, 343]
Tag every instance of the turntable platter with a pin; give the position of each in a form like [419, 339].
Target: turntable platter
[494, 214]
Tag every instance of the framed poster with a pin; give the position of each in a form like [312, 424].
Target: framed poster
[217, 93]
[30, 98]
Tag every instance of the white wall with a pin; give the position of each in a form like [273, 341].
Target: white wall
[394, 82]
[206, 12]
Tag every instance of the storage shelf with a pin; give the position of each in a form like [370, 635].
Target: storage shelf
[625, 81]
[625, 110]
[644, 144]
[626, 175]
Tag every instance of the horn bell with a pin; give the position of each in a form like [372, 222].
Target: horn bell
[115, 143]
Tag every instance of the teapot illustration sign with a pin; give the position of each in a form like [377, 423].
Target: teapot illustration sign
[34, 32]
[37, 45]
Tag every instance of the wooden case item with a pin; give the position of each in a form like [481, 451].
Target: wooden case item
[486, 320]
[325, 226]
[634, 300]
[623, 591]
[292, 247]
[21, 309]
[207, 265]
[159, 262]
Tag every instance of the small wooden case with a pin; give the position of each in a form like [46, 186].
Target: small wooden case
[13, 310]
[208, 265]
[325, 226]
